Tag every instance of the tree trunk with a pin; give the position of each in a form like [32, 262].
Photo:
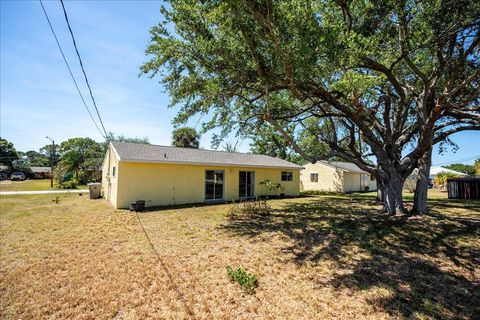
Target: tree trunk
[421, 190]
[392, 195]
[379, 191]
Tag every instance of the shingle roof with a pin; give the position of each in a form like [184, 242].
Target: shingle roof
[346, 166]
[137, 152]
[434, 170]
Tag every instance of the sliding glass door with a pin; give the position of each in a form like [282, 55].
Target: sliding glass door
[214, 184]
[246, 184]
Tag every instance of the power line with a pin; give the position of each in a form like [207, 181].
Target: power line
[458, 161]
[83, 70]
[69, 69]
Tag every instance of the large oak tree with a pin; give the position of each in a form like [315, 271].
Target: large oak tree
[384, 79]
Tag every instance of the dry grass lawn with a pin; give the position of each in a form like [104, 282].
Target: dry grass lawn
[30, 185]
[320, 257]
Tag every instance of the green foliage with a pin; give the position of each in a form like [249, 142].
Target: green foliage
[441, 178]
[80, 154]
[246, 280]
[314, 57]
[463, 168]
[266, 140]
[71, 184]
[35, 159]
[477, 167]
[271, 187]
[8, 154]
[47, 152]
[112, 137]
[185, 137]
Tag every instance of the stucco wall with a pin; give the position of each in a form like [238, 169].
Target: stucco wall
[352, 182]
[329, 178]
[357, 182]
[109, 182]
[169, 184]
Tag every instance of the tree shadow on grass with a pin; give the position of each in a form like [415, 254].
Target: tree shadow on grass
[428, 264]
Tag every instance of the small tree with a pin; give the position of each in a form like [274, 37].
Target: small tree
[185, 137]
[8, 154]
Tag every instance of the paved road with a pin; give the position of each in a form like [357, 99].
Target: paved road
[9, 193]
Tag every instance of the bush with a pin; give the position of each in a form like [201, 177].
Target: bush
[246, 280]
[253, 207]
[233, 210]
[72, 184]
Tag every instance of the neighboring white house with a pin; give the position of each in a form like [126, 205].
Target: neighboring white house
[434, 170]
[335, 176]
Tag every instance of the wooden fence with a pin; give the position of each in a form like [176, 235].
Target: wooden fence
[463, 188]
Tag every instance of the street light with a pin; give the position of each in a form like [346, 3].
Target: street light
[52, 154]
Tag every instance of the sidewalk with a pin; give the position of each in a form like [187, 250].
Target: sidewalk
[10, 193]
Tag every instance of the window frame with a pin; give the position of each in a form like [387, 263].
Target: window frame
[214, 199]
[286, 176]
[252, 184]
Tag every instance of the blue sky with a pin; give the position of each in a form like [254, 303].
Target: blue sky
[38, 98]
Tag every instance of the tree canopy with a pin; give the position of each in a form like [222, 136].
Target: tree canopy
[464, 168]
[185, 137]
[35, 159]
[387, 79]
[80, 153]
[270, 142]
[112, 137]
[8, 153]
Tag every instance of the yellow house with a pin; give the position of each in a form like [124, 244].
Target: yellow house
[164, 175]
[336, 177]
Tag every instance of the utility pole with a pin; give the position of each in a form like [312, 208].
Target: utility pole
[52, 155]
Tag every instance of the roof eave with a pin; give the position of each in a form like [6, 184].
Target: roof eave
[209, 164]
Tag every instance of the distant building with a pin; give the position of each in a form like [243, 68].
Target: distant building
[336, 177]
[435, 170]
[41, 172]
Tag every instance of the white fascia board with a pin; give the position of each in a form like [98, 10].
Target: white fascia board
[209, 164]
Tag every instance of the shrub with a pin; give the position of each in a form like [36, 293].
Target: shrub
[233, 210]
[246, 280]
[256, 208]
[72, 184]
[253, 207]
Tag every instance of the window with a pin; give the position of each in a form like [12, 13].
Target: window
[214, 184]
[114, 170]
[372, 177]
[246, 184]
[287, 176]
[313, 177]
